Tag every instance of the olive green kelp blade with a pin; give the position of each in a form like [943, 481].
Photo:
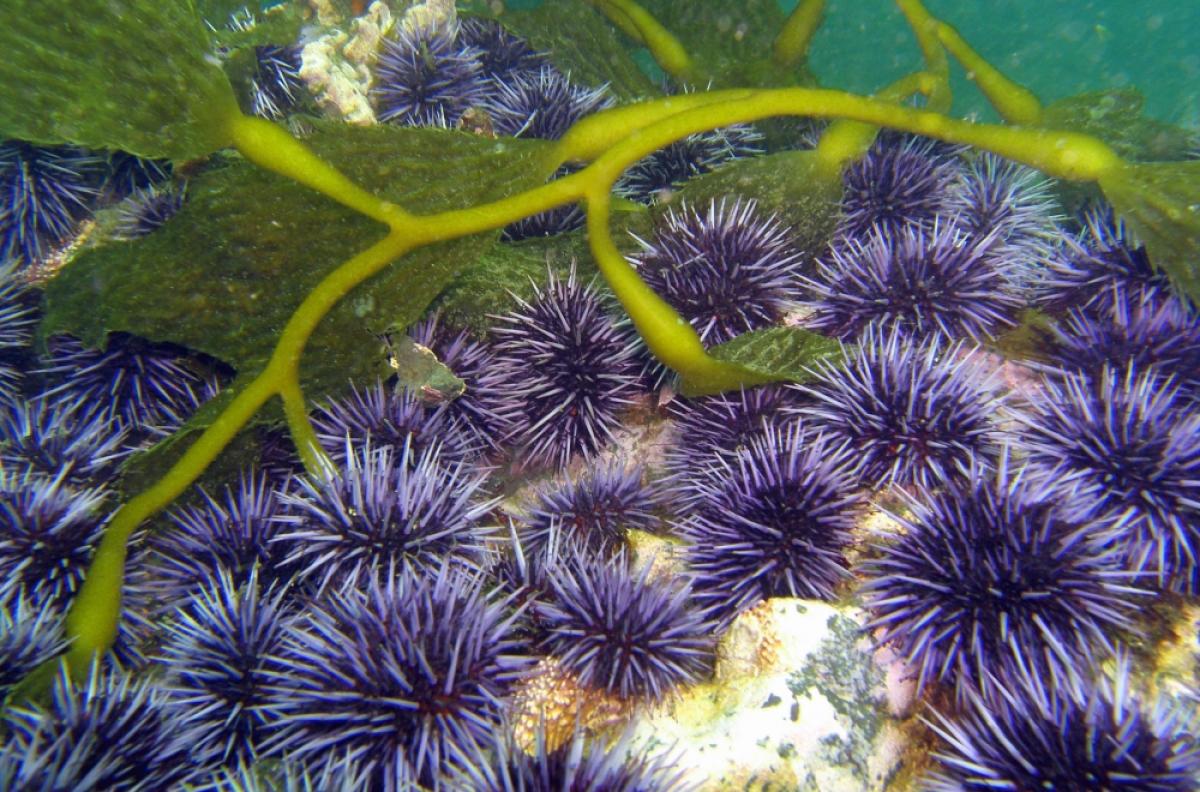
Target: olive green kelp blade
[1161, 203]
[132, 75]
[775, 354]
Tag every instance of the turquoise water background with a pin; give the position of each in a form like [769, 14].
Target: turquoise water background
[1056, 47]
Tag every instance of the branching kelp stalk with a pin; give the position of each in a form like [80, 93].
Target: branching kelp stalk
[610, 141]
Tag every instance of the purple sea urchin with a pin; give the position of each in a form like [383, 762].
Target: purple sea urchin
[772, 519]
[1120, 448]
[394, 675]
[1031, 735]
[425, 78]
[914, 414]
[54, 440]
[990, 571]
[276, 87]
[594, 511]
[222, 654]
[727, 270]
[103, 733]
[30, 634]
[657, 175]
[559, 220]
[901, 184]
[18, 318]
[384, 509]
[622, 631]
[148, 209]
[501, 53]
[234, 536]
[921, 283]
[568, 371]
[994, 198]
[139, 382]
[541, 104]
[46, 191]
[577, 766]
[389, 418]
[50, 531]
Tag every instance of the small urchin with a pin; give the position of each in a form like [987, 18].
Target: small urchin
[1009, 203]
[988, 571]
[46, 192]
[629, 633]
[18, 318]
[924, 283]
[384, 509]
[104, 731]
[568, 370]
[772, 519]
[30, 634]
[541, 104]
[501, 52]
[222, 654]
[1034, 735]
[276, 87]
[900, 184]
[727, 268]
[57, 439]
[1121, 448]
[424, 77]
[596, 509]
[233, 534]
[395, 674]
[913, 413]
[147, 209]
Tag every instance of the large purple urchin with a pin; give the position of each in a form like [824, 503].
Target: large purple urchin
[1008, 203]
[656, 176]
[501, 53]
[622, 631]
[222, 655]
[580, 765]
[395, 674]
[58, 439]
[45, 192]
[30, 634]
[389, 418]
[384, 510]
[1121, 448]
[104, 732]
[594, 510]
[989, 571]
[50, 531]
[772, 519]
[711, 426]
[901, 184]
[568, 371]
[474, 411]
[424, 77]
[726, 269]
[234, 536]
[140, 383]
[1100, 264]
[541, 104]
[922, 283]
[914, 414]
[1032, 735]
[1160, 335]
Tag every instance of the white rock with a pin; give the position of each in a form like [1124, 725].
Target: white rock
[800, 701]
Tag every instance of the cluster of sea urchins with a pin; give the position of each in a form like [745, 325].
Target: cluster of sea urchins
[366, 629]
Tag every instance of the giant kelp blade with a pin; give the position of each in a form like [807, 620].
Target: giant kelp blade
[1117, 118]
[224, 275]
[1160, 201]
[133, 75]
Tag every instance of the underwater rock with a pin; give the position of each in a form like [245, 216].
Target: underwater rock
[800, 701]
[334, 65]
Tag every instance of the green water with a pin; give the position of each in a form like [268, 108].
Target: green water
[1056, 47]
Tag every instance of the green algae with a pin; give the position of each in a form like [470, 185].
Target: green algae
[776, 354]
[1116, 118]
[132, 75]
